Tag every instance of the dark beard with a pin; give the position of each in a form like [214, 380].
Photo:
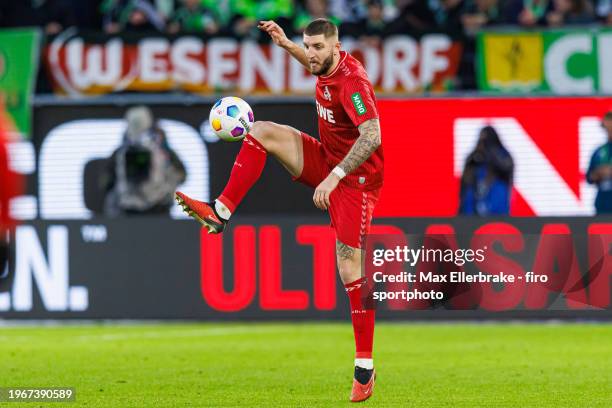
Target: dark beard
[325, 66]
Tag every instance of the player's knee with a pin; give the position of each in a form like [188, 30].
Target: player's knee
[349, 271]
[262, 131]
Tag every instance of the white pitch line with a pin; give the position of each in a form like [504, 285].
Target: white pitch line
[151, 334]
[157, 334]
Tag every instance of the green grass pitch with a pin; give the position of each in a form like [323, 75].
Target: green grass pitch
[310, 364]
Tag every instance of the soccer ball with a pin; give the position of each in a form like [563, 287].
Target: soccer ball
[231, 118]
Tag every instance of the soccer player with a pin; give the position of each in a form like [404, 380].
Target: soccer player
[10, 186]
[600, 170]
[345, 168]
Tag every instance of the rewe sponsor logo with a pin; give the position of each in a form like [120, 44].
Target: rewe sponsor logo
[324, 113]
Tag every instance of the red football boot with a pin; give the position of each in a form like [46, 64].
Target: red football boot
[202, 212]
[362, 392]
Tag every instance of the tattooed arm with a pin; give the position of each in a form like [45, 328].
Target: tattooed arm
[344, 251]
[366, 144]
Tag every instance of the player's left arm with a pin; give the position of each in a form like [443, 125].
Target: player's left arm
[366, 144]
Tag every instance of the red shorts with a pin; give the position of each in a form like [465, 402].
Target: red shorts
[350, 208]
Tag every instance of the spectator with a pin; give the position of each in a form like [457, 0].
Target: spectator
[414, 15]
[112, 11]
[131, 15]
[274, 9]
[527, 13]
[374, 23]
[251, 11]
[165, 8]
[370, 29]
[353, 11]
[86, 13]
[425, 15]
[143, 172]
[487, 177]
[348, 11]
[390, 10]
[570, 12]
[600, 170]
[223, 11]
[313, 9]
[209, 16]
[604, 11]
[447, 14]
[481, 13]
[191, 16]
[58, 15]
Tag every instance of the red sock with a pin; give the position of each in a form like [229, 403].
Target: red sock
[363, 319]
[246, 171]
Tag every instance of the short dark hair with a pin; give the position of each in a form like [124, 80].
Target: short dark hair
[321, 26]
[608, 115]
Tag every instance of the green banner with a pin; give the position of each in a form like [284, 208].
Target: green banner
[555, 61]
[18, 67]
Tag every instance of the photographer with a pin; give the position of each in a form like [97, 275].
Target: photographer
[143, 172]
[487, 177]
[600, 169]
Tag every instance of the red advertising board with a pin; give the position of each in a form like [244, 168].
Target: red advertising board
[284, 267]
[551, 141]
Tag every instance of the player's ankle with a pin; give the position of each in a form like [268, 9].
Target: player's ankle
[222, 211]
[366, 363]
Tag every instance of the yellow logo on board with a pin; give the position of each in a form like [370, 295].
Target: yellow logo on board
[513, 60]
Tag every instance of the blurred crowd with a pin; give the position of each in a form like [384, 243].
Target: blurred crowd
[358, 18]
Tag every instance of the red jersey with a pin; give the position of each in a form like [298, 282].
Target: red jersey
[345, 99]
[8, 179]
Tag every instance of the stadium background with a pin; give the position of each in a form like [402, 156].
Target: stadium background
[70, 69]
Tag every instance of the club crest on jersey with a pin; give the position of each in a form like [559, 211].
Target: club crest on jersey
[327, 94]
